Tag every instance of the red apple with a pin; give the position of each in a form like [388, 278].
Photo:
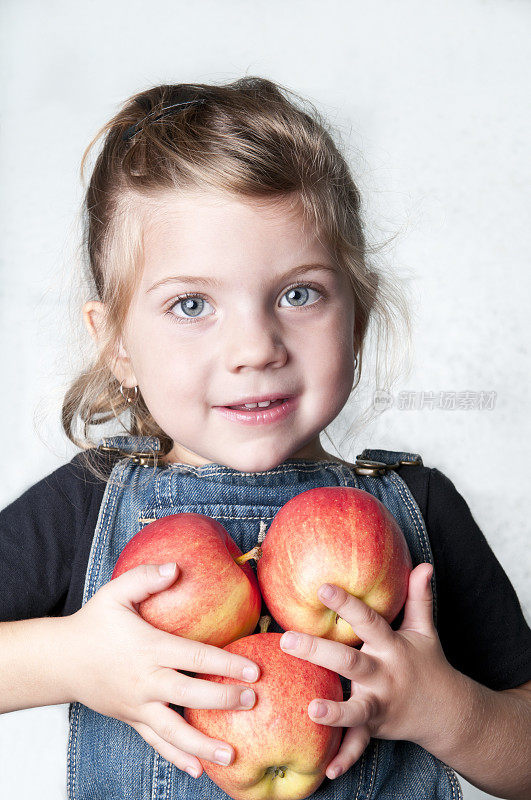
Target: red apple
[214, 599]
[338, 535]
[280, 752]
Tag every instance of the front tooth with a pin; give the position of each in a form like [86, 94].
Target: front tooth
[250, 405]
[265, 403]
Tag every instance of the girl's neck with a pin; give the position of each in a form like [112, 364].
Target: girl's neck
[312, 452]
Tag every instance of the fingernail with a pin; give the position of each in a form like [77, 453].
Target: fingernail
[247, 698]
[250, 673]
[193, 772]
[222, 756]
[327, 591]
[167, 569]
[289, 640]
[334, 772]
[317, 709]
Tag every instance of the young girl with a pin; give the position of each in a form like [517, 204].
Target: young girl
[231, 302]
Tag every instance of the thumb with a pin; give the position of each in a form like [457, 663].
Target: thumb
[418, 611]
[140, 582]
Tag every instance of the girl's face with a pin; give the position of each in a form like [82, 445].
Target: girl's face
[250, 327]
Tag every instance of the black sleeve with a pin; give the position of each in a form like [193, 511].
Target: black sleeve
[39, 537]
[482, 628]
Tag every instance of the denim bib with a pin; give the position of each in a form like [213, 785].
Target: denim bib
[108, 759]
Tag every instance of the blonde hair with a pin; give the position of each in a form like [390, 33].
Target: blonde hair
[251, 139]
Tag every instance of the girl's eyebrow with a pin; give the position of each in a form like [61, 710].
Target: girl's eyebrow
[216, 282]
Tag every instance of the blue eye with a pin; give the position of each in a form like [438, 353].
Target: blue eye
[296, 294]
[190, 304]
[298, 290]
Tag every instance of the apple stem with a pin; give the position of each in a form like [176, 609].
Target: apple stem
[264, 623]
[337, 617]
[276, 772]
[255, 553]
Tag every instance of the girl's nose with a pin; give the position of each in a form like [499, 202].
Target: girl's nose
[257, 345]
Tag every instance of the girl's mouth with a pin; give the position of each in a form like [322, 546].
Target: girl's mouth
[275, 411]
[256, 406]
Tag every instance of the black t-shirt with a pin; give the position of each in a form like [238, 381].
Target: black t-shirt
[46, 536]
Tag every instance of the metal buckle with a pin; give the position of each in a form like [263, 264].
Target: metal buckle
[144, 459]
[364, 466]
[105, 448]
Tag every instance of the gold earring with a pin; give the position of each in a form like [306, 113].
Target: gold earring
[126, 397]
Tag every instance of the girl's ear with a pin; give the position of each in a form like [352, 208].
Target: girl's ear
[94, 317]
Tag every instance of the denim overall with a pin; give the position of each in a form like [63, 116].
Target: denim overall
[108, 759]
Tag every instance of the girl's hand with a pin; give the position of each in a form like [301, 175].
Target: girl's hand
[396, 676]
[123, 667]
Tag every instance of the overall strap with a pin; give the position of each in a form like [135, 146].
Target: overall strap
[140, 449]
[376, 470]
[378, 462]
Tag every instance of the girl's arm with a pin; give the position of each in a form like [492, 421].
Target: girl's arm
[485, 735]
[114, 662]
[404, 688]
[34, 663]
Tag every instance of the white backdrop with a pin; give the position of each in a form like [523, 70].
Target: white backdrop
[430, 100]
